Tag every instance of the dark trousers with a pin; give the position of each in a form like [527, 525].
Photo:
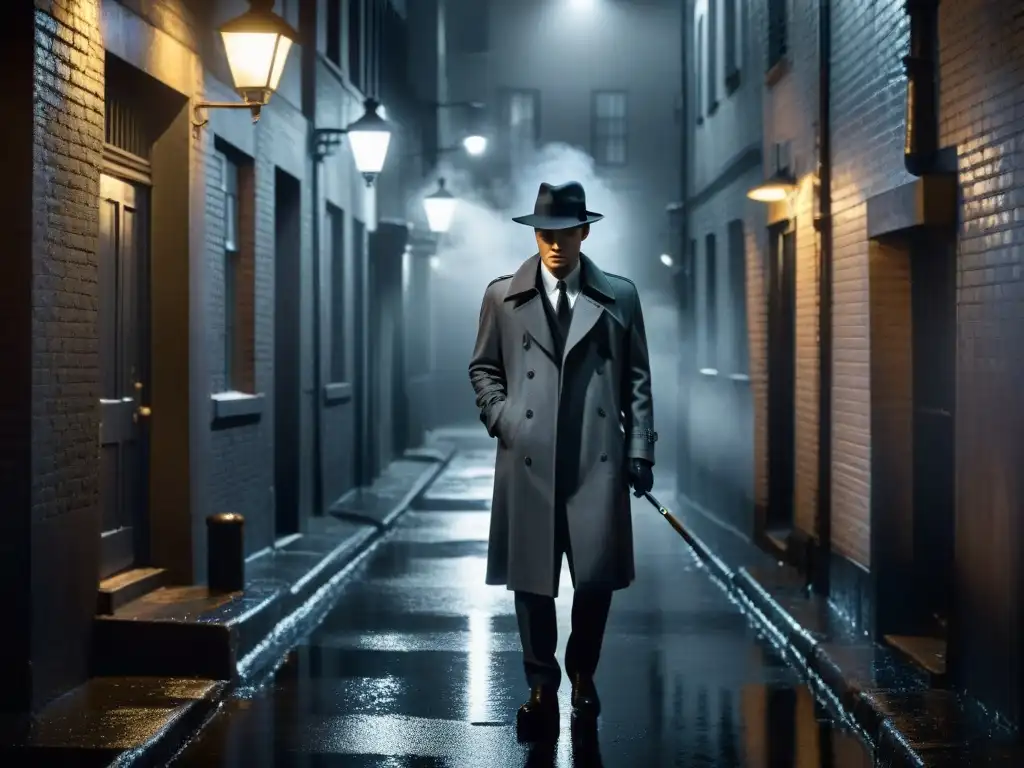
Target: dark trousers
[538, 628]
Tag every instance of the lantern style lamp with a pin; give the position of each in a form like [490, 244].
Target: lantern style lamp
[257, 45]
[440, 208]
[370, 137]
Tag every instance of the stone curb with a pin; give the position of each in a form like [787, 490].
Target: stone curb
[804, 651]
[258, 668]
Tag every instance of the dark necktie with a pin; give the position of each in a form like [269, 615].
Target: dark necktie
[563, 313]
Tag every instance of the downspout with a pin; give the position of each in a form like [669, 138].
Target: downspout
[823, 518]
[308, 24]
[921, 145]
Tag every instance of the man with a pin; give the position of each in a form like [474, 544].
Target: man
[562, 380]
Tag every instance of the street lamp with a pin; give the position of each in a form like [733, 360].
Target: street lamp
[370, 137]
[440, 208]
[257, 45]
[475, 145]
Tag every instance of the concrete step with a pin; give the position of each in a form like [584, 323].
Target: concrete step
[122, 588]
[112, 721]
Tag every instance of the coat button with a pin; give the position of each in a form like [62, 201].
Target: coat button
[600, 369]
[527, 461]
[529, 413]
[530, 374]
[526, 342]
[600, 412]
[604, 457]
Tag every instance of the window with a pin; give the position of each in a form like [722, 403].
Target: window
[732, 60]
[355, 43]
[339, 304]
[777, 42]
[712, 59]
[738, 295]
[236, 187]
[608, 127]
[332, 24]
[522, 123]
[698, 71]
[710, 305]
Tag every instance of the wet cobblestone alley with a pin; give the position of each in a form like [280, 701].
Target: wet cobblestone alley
[418, 664]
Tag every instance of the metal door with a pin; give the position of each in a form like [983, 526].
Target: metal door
[124, 409]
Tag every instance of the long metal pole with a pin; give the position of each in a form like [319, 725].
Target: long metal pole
[823, 517]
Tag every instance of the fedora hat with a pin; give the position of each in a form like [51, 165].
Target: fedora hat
[559, 207]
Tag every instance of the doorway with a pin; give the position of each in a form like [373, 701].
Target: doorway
[781, 381]
[362, 469]
[124, 367]
[933, 338]
[287, 329]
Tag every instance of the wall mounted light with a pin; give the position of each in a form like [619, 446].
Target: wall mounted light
[440, 208]
[370, 137]
[475, 145]
[777, 187]
[257, 45]
[666, 260]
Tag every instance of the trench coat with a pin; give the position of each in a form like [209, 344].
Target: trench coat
[571, 428]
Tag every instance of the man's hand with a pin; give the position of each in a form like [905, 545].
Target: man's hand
[641, 476]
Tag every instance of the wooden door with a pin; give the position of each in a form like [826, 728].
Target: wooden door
[123, 351]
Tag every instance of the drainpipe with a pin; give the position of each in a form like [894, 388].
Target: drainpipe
[823, 518]
[920, 149]
[307, 23]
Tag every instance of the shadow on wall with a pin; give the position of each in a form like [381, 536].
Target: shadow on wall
[484, 243]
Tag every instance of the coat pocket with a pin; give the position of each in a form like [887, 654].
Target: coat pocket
[508, 423]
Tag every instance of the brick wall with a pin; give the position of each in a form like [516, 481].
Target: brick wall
[869, 40]
[982, 103]
[68, 146]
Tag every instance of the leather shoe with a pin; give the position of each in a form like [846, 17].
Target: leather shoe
[585, 702]
[538, 716]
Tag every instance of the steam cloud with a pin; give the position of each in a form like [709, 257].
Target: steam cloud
[484, 243]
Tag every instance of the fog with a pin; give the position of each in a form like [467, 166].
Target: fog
[484, 243]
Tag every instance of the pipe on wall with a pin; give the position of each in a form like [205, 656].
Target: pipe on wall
[308, 17]
[921, 144]
[823, 516]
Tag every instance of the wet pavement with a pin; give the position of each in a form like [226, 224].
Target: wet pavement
[418, 664]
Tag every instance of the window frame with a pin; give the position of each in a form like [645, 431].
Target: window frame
[597, 121]
[507, 96]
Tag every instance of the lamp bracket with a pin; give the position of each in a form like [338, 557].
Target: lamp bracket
[199, 117]
[325, 140]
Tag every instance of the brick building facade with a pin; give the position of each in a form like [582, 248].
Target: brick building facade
[159, 299]
[917, 523]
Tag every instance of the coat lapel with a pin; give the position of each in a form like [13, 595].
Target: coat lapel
[529, 306]
[596, 297]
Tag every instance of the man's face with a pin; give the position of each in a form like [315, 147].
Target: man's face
[560, 248]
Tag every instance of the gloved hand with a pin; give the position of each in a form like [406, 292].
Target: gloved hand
[641, 476]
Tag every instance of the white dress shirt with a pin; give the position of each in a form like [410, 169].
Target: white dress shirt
[572, 286]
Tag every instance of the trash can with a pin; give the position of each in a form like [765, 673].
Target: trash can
[225, 552]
